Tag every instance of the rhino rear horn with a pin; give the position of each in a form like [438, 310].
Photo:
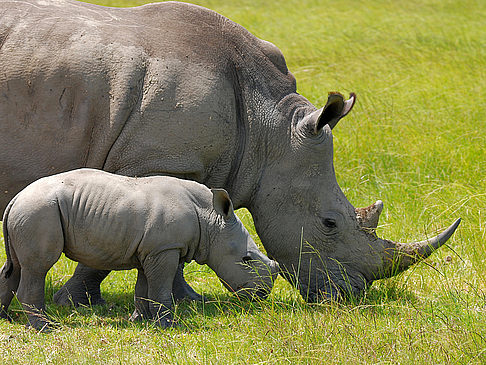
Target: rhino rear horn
[368, 217]
[335, 109]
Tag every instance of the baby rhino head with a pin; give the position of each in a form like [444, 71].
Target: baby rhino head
[234, 256]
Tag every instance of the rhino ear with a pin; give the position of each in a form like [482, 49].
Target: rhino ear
[335, 109]
[222, 203]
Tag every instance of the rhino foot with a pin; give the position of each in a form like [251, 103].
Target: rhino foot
[38, 320]
[72, 296]
[83, 288]
[166, 323]
[40, 326]
[163, 323]
[139, 315]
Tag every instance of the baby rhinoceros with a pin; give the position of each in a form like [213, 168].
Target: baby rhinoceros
[113, 222]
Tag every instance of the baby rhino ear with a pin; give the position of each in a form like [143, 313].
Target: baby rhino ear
[222, 203]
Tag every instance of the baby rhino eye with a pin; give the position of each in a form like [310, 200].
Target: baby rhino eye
[329, 222]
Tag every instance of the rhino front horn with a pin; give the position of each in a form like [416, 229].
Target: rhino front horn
[400, 256]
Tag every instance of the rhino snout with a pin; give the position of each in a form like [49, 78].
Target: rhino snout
[261, 263]
[263, 272]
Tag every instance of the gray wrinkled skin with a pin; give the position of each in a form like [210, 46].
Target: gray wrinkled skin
[176, 89]
[112, 222]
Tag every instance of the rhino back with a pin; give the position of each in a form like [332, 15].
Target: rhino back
[158, 89]
[61, 102]
[114, 222]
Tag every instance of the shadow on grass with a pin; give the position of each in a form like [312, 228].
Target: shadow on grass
[195, 315]
[119, 306]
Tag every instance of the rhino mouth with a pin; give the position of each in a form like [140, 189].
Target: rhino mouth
[326, 286]
[329, 293]
[332, 292]
[248, 291]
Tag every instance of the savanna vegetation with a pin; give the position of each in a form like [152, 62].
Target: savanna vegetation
[416, 140]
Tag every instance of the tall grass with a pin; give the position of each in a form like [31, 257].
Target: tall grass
[416, 139]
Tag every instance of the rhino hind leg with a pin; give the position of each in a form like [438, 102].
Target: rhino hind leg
[31, 294]
[181, 290]
[33, 270]
[83, 288]
[8, 287]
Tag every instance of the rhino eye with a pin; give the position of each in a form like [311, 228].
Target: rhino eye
[329, 222]
[246, 259]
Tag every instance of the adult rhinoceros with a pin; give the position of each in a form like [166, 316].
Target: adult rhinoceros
[176, 89]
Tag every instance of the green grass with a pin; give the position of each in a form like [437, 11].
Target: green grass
[416, 139]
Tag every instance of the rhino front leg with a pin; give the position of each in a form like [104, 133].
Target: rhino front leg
[160, 270]
[181, 290]
[142, 310]
[83, 288]
[179, 293]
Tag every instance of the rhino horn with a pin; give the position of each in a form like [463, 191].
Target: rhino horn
[400, 256]
[368, 217]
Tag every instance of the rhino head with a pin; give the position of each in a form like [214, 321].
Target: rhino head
[325, 246]
[241, 267]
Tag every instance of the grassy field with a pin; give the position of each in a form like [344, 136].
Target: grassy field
[416, 139]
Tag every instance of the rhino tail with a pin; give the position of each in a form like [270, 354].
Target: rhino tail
[9, 264]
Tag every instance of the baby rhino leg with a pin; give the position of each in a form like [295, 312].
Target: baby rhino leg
[38, 245]
[160, 270]
[142, 310]
[9, 282]
[31, 295]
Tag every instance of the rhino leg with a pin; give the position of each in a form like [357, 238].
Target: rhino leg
[142, 310]
[37, 246]
[8, 286]
[83, 288]
[160, 270]
[181, 290]
[31, 294]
